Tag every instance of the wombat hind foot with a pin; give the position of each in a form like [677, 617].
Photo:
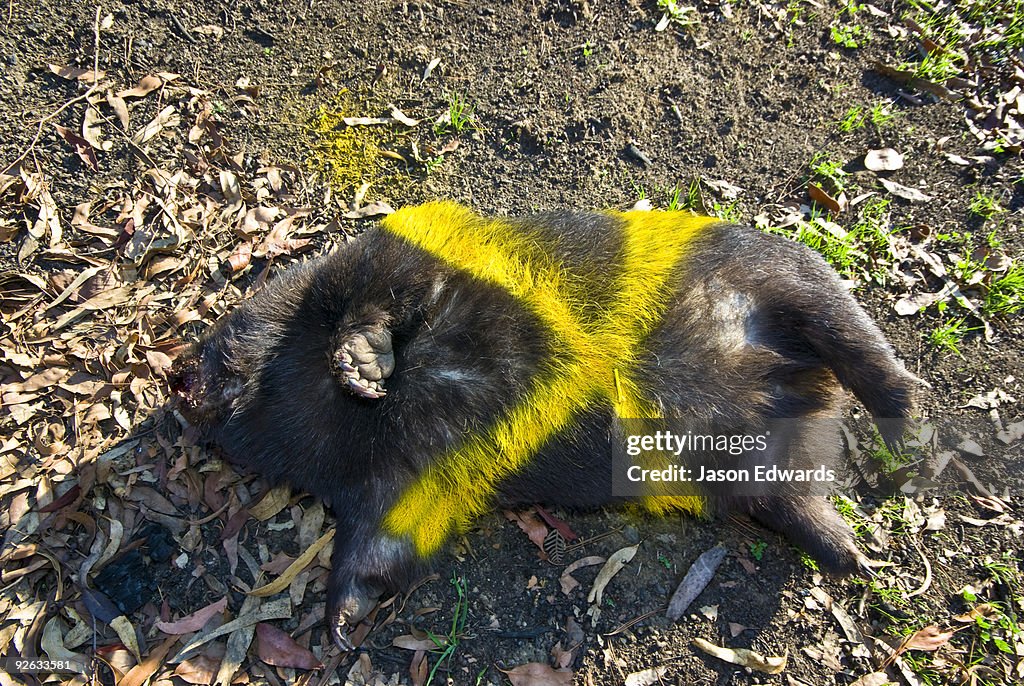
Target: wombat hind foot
[815, 526]
[363, 359]
[348, 605]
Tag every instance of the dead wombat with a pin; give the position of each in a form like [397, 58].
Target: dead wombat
[444, 363]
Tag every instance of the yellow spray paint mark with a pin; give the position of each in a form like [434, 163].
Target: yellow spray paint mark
[597, 365]
[351, 156]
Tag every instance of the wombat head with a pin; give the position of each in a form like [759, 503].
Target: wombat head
[206, 380]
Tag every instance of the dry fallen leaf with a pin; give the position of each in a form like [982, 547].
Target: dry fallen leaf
[531, 525]
[248, 616]
[835, 205]
[567, 581]
[744, 657]
[410, 642]
[374, 209]
[120, 108]
[82, 147]
[873, 679]
[929, 639]
[167, 117]
[646, 677]
[195, 621]
[985, 610]
[272, 502]
[277, 648]
[616, 561]
[92, 130]
[430, 68]
[905, 192]
[400, 116]
[538, 674]
[77, 74]
[700, 574]
[147, 84]
[213, 30]
[885, 159]
[367, 121]
[282, 582]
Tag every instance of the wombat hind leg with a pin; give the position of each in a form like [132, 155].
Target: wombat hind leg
[814, 525]
[363, 568]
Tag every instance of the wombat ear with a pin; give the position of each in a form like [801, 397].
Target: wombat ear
[364, 358]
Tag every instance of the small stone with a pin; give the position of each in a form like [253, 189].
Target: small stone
[969, 446]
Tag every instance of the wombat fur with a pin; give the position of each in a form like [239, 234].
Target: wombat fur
[354, 375]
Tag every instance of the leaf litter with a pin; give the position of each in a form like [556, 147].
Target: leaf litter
[83, 356]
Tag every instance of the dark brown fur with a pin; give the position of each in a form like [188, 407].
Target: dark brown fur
[758, 328]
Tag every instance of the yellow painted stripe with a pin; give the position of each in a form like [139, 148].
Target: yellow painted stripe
[598, 359]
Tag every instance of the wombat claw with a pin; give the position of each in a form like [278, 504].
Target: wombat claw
[363, 360]
[340, 639]
[364, 388]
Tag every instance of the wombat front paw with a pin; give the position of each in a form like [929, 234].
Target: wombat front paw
[363, 359]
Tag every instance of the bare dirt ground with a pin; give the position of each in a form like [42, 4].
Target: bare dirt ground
[162, 160]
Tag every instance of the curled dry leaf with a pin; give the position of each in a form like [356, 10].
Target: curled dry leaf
[431, 66]
[168, 117]
[240, 258]
[211, 30]
[998, 262]
[82, 147]
[120, 108]
[835, 205]
[273, 501]
[912, 304]
[930, 638]
[725, 189]
[905, 192]
[450, 146]
[418, 668]
[567, 581]
[125, 630]
[402, 118]
[531, 525]
[744, 657]
[884, 159]
[984, 610]
[52, 644]
[615, 562]
[92, 130]
[538, 674]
